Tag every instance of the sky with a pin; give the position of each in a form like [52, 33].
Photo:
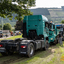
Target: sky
[49, 3]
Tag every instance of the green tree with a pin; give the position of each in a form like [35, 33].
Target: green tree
[62, 21]
[21, 8]
[7, 26]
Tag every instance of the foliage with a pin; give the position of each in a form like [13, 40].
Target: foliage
[62, 21]
[0, 26]
[21, 8]
[19, 25]
[13, 29]
[7, 26]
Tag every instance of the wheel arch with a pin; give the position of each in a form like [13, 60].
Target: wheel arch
[33, 44]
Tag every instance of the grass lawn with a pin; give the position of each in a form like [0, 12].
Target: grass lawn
[12, 37]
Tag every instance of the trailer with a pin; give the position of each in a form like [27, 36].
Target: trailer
[38, 33]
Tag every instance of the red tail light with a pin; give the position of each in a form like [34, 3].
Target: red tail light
[23, 46]
[1, 45]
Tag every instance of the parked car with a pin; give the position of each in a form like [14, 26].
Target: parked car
[17, 33]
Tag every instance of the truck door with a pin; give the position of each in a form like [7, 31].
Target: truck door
[46, 26]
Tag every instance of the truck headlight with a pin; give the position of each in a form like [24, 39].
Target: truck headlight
[51, 38]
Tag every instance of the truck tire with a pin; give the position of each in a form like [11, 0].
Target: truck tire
[30, 50]
[55, 42]
[46, 46]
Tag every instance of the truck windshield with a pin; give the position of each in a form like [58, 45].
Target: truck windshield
[50, 26]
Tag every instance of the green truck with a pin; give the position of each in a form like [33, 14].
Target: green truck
[39, 26]
[53, 33]
[38, 33]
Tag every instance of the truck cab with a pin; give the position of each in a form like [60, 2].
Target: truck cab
[35, 27]
[53, 32]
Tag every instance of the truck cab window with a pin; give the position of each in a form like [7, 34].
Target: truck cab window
[46, 24]
[50, 26]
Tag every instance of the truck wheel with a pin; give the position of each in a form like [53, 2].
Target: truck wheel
[55, 42]
[46, 46]
[30, 50]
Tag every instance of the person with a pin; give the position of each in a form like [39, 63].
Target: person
[60, 39]
[19, 33]
[61, 29]
[11, 33]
